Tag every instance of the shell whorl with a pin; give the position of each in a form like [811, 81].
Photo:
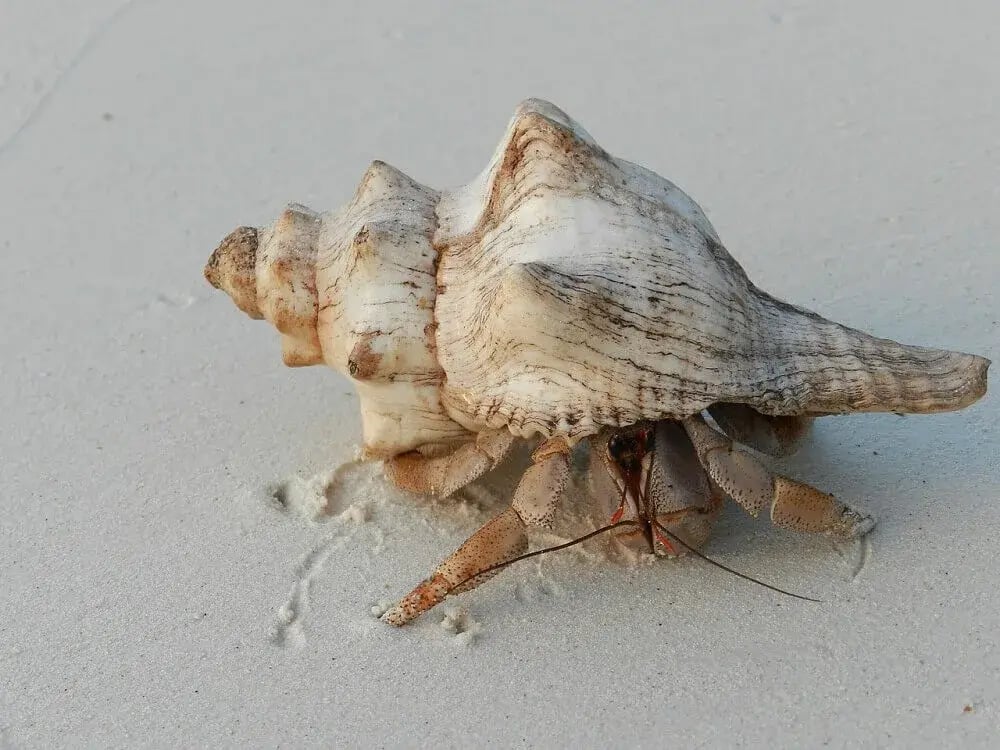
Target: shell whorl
[270, 274]
[354, 289]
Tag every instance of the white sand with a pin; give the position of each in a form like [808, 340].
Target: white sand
[154, 591]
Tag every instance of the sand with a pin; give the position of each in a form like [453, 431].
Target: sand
[183, 566]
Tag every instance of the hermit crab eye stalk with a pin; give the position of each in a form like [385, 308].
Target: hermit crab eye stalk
[644, 438]
[627, 448]
[618, 444]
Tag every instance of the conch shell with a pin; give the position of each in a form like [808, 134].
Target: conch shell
[561, 291]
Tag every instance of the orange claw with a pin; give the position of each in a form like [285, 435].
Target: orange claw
[499, 540]
[428, 593]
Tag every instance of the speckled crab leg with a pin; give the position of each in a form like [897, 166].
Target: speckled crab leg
[793, 505]
[499, 540]
[443, 475]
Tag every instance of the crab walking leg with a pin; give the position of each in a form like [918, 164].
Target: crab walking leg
[499, 540]
[443, 475]
[775, 436]
[793, 505]
[686, 502]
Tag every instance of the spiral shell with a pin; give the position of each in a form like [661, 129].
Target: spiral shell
[561, 291]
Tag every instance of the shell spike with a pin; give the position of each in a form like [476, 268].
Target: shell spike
[830, 368]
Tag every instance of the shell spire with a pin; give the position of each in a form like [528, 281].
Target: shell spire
[353, 289]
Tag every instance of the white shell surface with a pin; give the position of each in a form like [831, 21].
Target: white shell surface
[375, 286]
[375, 279]
[577, 290]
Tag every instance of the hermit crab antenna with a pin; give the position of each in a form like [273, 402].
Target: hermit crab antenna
[716, 563]
[537, 552]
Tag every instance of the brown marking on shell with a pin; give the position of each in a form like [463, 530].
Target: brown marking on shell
[364, 361]
[286, 280]
[360, 242]
[532, 128]
[291, 322]
[430, 330]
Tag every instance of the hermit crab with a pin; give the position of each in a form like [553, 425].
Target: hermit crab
[568, 296]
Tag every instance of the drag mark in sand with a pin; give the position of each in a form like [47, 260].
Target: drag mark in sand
[318, 499]
[288, 630]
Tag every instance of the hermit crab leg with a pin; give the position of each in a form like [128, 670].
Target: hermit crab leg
[775, 436]
[499, 540]
[685, 500]
[443, 475]
[793, 505]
